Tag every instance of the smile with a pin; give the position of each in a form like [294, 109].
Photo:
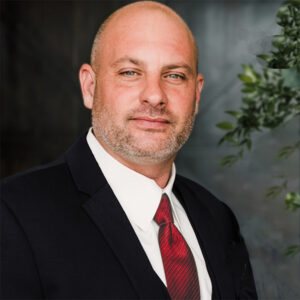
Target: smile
[153, 123]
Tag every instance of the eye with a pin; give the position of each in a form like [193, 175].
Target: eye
[176, 76]
[129, 73]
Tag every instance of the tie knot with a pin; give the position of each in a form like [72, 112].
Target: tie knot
[164, 214]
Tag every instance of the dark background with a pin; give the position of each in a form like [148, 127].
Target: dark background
[43, 44]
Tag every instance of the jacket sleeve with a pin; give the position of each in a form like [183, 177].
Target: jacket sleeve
[239, 260]
[18, 272]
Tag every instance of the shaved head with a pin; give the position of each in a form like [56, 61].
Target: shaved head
[142, 85]
[125, 13]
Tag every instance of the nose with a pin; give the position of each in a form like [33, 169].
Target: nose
[153, 93]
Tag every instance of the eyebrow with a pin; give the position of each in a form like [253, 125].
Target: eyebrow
[138, 62]
[178, 66]
[127, 59]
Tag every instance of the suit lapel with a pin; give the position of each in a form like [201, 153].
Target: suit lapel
[204, 227]
[109, 217]
[107, 214]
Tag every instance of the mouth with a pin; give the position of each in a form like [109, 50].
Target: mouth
[151, 123]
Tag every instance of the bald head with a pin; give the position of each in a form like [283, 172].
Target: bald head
[123, 16]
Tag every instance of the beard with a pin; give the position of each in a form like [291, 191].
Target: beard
[140, 149]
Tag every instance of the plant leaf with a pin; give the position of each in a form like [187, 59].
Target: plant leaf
[292, 250]
[249, 144]
[233, 113]
[265, 57]
[246, 78]
[292, 201]
[273, 191]
[225, 126]
[248, 89]
[229, 160]
[285, 152]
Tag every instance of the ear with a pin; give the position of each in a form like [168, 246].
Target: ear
[87, 80]
[199, 86]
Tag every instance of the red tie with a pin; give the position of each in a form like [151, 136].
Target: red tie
[179, 264]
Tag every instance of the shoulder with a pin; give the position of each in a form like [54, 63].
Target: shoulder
[200, 193]
[34, 175]
[213, 218]
[200, 198]
[44, 176]
[35, 184]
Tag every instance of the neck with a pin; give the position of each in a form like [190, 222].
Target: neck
[160, 171]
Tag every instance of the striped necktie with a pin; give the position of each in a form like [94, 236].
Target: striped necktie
[180, 268]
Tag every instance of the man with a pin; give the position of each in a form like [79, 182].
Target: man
[111, 219]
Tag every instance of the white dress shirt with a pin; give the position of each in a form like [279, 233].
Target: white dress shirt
[139, 197]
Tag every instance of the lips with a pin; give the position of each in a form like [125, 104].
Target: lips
[154, 120]
[149, 122]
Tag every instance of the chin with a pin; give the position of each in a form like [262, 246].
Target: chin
[149, 159]
[150, 154]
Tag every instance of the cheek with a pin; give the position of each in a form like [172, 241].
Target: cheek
[117, 95]
[115, 104]
[182, 101]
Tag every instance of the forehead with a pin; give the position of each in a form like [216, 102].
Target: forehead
[148, 33]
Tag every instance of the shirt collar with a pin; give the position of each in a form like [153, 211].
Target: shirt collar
[138, 195]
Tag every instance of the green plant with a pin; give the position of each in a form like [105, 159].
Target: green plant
[271, 99]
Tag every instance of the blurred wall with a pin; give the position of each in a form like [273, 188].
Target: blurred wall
[43, 44]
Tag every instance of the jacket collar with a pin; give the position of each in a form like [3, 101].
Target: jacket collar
[83, 167]
[205, 228]
[107, 214]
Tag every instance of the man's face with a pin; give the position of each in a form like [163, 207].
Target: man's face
[147, 89]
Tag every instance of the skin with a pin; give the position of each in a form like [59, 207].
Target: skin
[143, 88]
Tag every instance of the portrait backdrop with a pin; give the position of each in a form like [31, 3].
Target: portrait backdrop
[43, 44]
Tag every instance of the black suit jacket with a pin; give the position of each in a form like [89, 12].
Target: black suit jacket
[64, 235]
